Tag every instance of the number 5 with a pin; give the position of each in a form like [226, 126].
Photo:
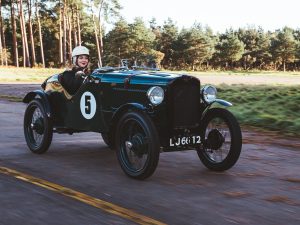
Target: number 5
[88, 104]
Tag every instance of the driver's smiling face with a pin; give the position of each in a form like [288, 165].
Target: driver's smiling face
[83, 61]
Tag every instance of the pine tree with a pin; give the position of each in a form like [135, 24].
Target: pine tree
[283, 47]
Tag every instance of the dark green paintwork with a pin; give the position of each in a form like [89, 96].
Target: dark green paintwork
[115, 93]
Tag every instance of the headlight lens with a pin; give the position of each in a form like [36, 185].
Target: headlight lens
[209, 93]
[156, 95]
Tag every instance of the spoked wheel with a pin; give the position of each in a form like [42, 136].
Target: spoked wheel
[222, 140]
[37, 127]
[137, 145]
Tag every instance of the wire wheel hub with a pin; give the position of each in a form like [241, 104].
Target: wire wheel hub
[215, 139]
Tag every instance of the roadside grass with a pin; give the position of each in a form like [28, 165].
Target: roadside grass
[11, 98]
[13, 74]
[275, 108]
[36, 75]
[240, 73]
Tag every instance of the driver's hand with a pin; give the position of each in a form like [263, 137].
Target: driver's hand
[80, 74]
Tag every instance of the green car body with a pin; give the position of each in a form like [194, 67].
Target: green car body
[108, 97]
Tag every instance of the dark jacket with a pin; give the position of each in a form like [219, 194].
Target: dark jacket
[69, 81]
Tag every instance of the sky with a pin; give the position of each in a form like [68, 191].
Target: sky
[217, 14]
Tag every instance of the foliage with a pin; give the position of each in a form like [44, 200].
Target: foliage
[284, 47]
[230, 49]
[192, 48]
[269, 107]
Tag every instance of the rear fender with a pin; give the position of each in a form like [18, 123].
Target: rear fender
[43, 96]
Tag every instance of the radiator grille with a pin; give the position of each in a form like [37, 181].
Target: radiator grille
[185, 102]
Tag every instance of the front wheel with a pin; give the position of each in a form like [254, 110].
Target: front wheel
[37, 127]
[137, 145]
[222, 140]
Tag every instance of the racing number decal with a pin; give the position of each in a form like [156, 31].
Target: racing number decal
[88, 105]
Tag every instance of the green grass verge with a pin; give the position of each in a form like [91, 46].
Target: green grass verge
[11, 98]
[275, 108]
[13, 74]
[38, 75]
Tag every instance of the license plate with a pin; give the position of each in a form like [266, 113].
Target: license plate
[182, 141]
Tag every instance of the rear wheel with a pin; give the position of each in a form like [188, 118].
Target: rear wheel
[222, 140]
[137, 145]
[37, 127]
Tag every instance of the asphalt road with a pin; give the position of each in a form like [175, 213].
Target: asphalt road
[262, 188]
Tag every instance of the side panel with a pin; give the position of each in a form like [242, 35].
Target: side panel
[84, 110]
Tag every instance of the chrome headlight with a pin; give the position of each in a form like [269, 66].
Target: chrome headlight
[209, 93]
[156, 95]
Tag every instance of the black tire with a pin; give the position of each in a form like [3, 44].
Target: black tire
[217, 141]
[107, 140]
[38, 128]
[137, 145]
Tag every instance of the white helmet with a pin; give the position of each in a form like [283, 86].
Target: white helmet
[79, 50]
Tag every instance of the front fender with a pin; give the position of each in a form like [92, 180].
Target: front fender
[43, 96]
[128, 106]
[222, 102]
[218, 102]
[120, 111]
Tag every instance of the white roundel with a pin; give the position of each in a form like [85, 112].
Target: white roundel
[88, 105]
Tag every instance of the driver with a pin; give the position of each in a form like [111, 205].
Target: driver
[73, 78]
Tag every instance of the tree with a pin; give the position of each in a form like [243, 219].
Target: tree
[140, 40]
[262, 53]
[14, 34]
[167, 43]
[40, 34]
[249, 37]
[230, 49]
[26, 61]
[116, 43]
[1, 37]
[107, 10]
[283, 47]
[198, 47]
[33, 58]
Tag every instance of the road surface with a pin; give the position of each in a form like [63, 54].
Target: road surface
[262, 188]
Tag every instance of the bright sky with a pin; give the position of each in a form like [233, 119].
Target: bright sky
[218, 14]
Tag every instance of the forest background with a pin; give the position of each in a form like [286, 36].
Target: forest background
[39, 33]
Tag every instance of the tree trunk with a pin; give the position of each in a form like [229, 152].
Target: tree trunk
[22, 35]
[26, 61]
[97, 43]
[96, 37]
[40, 34]
[100, 32]
[64, 34]
[69, 22]
[14, 30]
[33, 58]
[60, 36]
[74, 29]
[4, 49]
[1, 31]
[78, 26]
[245, 63]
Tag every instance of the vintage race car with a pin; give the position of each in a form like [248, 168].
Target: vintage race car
[139, 113]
